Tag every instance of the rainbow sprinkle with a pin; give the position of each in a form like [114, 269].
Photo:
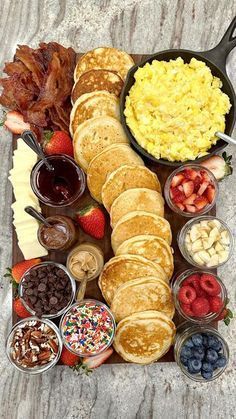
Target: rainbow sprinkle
[88, 328]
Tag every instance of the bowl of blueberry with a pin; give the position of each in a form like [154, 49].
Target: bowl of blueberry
[201, 352]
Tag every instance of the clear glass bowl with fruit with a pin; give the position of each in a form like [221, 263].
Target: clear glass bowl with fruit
[191, 190]
[206, 242]
[201, 352]
[199, 296]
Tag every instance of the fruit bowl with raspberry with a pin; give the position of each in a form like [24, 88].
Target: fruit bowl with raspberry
[200, 351]
[191, 190]
[199, 296]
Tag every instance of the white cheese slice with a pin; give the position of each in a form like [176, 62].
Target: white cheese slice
[32, 250]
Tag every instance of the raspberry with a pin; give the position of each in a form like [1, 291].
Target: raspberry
[186, 308]
[194, 281]
[200, 307]
[187, 294]
[216, 304]
[210, 284]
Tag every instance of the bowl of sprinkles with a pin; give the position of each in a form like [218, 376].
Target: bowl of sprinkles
[87, 328]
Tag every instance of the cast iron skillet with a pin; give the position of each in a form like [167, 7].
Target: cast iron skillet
[216, 60]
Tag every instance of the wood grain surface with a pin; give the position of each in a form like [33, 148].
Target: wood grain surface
[121, 391]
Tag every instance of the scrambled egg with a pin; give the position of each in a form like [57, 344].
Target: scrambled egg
[174, 109]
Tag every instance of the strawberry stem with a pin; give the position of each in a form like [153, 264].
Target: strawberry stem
[81, 368]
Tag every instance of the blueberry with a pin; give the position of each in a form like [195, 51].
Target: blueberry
[206, 374]
[207, 367]
[198, 353]
[211, 356]
[221, 362]
[186, 352]
[189, 343]
[214, 343]
[204, 340]
[184, 360]
[197, 339]
[194, 366]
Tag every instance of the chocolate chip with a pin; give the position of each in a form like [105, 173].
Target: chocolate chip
[60, 273]
[53, 301]
[29, 291]
[42, 287]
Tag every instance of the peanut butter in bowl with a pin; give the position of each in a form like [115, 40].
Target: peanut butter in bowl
[85, 261]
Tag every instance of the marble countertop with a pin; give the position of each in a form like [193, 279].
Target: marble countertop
[119, 391]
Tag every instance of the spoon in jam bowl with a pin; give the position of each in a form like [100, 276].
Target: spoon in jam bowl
[30, 139]
[35, 214]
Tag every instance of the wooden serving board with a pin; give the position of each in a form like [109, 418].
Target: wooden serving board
[176, 221]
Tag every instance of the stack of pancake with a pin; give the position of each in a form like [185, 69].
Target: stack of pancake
[134, 282]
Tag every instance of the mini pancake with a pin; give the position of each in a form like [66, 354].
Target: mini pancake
[128, 177]
[121, 269]
[105, 163]
[151, 247]
[93, 105]
[104, 58]
[138, 199]
[137, 223]
[94, 80]
[93, 136]
[149, 293]
[144, 337]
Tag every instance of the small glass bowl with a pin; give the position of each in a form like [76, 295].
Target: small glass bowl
[184, 332]
[78, 172]
[42, 368]
[73, 289]
[182, 235]
[176, 285]
[170, 201]
[92, 248]
[64, 334]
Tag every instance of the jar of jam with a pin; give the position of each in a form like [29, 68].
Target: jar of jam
[61, 186]
[61, 234]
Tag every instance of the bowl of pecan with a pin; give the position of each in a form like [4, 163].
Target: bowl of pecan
[47, 290]
[34, 345]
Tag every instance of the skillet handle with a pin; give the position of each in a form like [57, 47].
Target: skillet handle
[219, 53]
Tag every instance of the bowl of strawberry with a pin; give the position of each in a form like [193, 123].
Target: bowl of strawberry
[201, 352]
[191, 190]
[199, 296]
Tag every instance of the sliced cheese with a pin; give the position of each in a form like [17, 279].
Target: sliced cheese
[32, 250]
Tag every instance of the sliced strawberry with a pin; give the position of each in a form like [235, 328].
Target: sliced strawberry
[205, 176]
[219, 166]
[177, 179]
[15, 122]
[209, 283]
[97, 360]
[180, 187]
[178, 196]
[200, 202]
[197, 182]
[191, 208]
[190, 174]
[190, 200]
[188, 188]
[210, 193]
[180, 206]
[203, 187]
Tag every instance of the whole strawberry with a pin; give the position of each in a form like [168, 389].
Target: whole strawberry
[20, 309]
[57, 142]
[92, 220]
[17, 271]
[67, 358]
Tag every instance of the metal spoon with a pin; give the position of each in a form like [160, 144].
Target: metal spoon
[81, 290]
[30, 139]
[35, 214]
[225, 137]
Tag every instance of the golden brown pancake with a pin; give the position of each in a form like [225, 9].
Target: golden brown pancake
[96, 80]
[137, 199]
[104, 163]
[95, 135]
[144, 337]
[93, 105]
[149, 293]
[128, 177]
[151, 247]
[138, 223]
[121, 269]
[104, 58]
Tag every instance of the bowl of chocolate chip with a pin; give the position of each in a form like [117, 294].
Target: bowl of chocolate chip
[34, 345]
[47, 290]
